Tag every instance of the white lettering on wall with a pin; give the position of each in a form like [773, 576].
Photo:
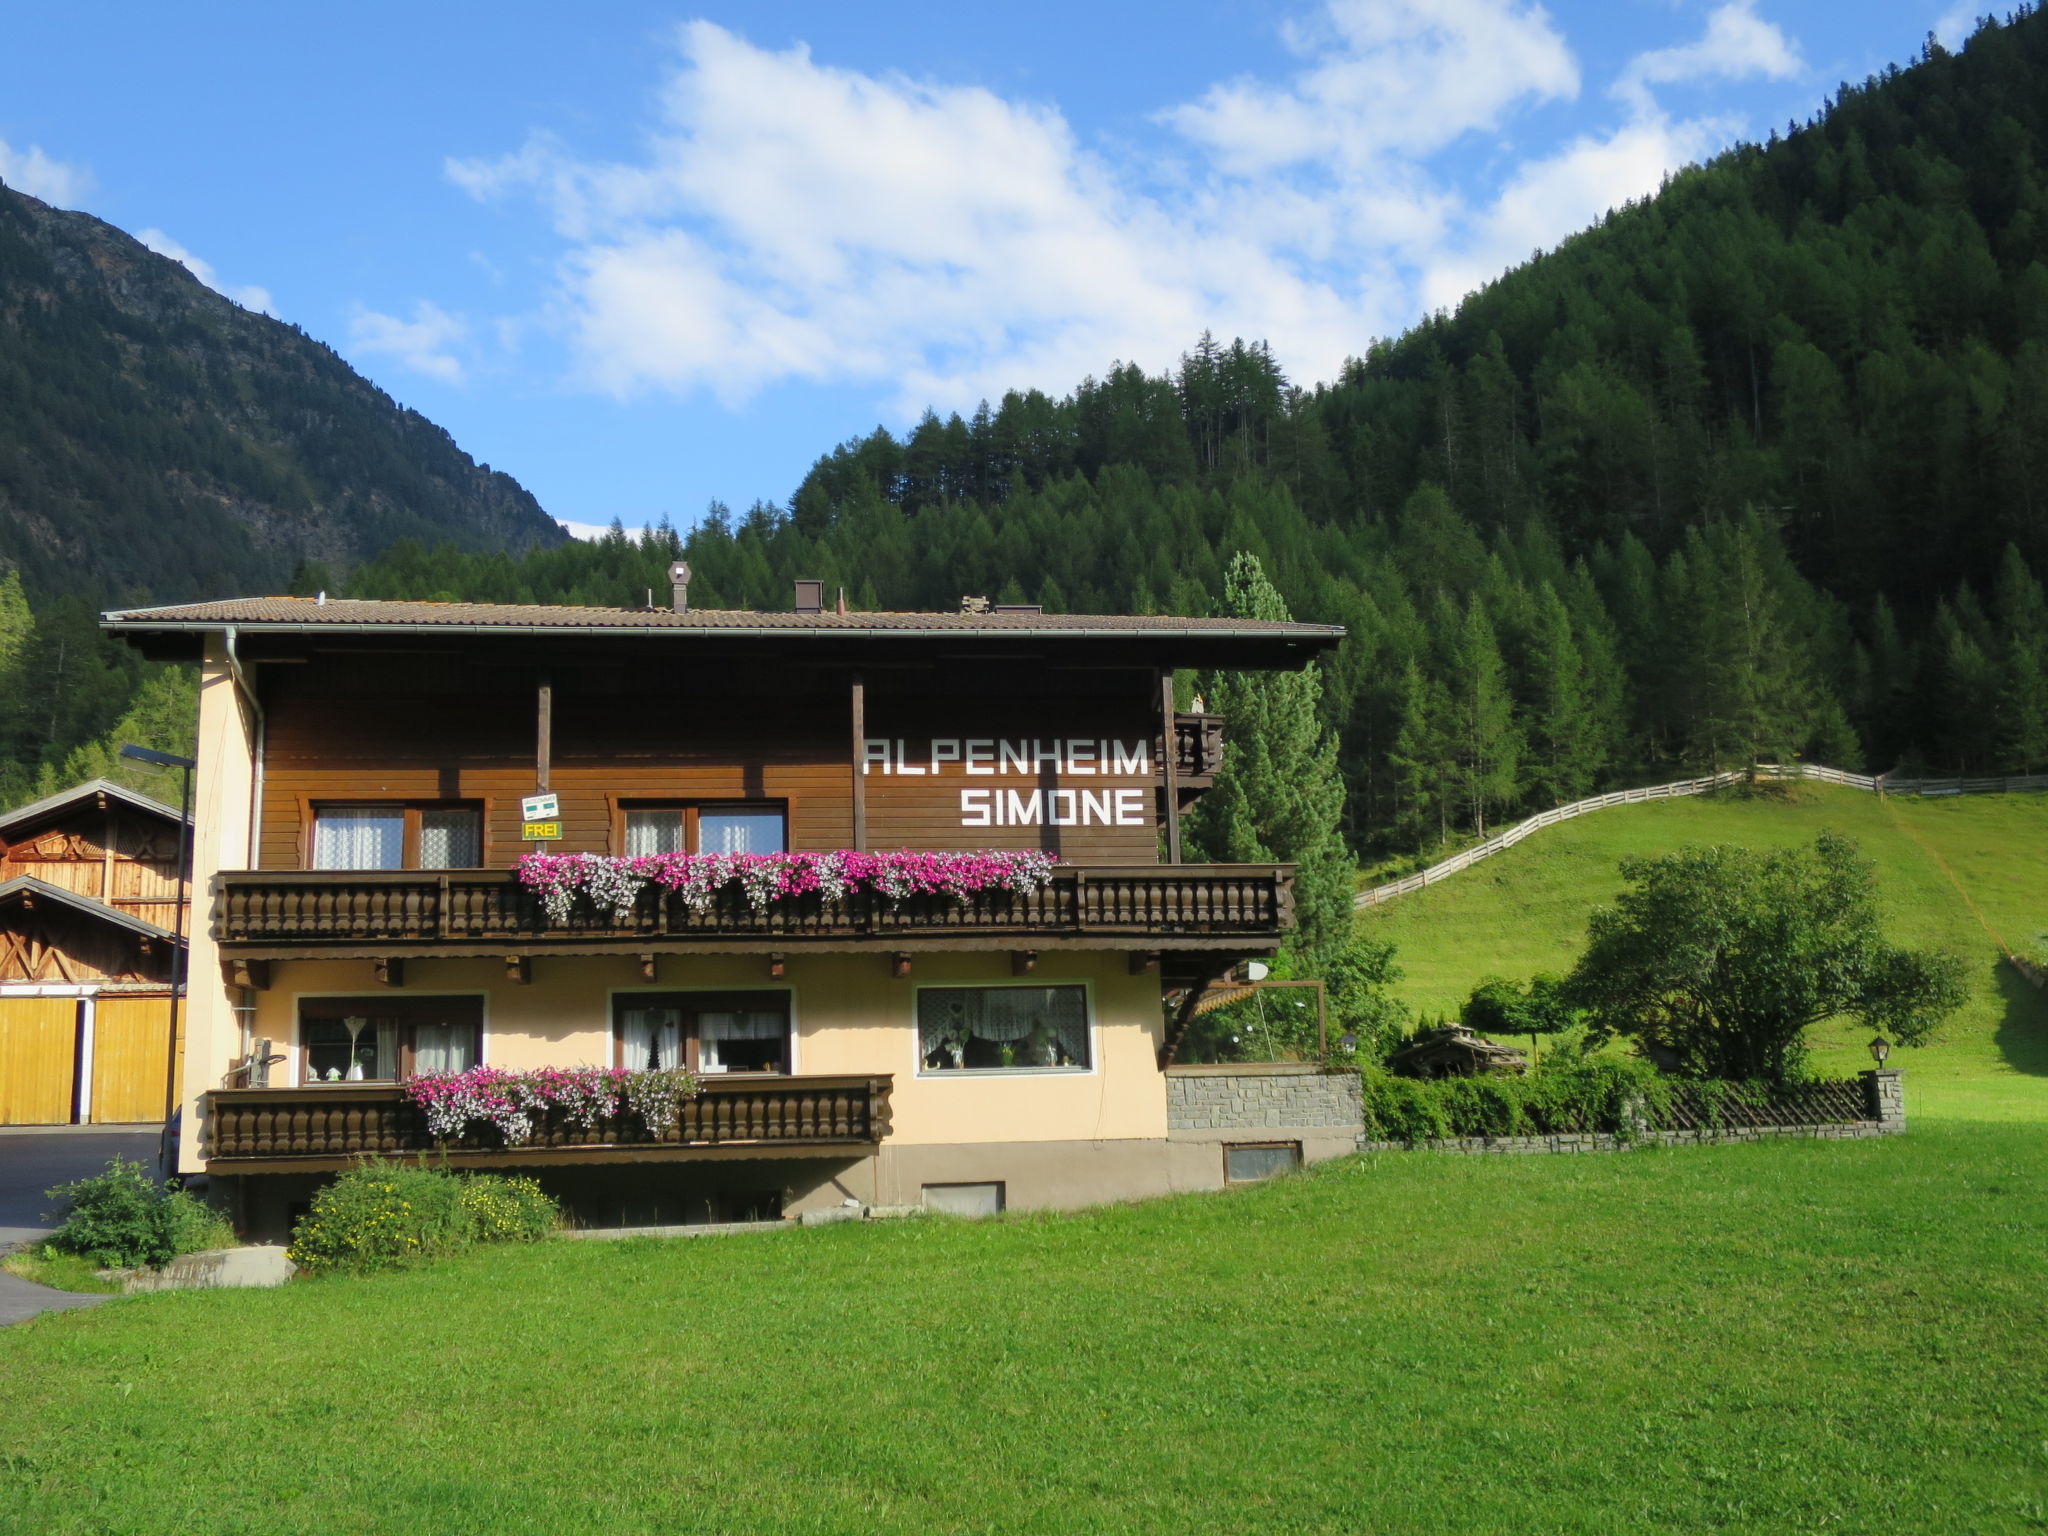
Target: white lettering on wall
[1075, 757]
[1059, 808]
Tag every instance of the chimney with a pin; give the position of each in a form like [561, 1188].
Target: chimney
[810, 597]
[679, 585]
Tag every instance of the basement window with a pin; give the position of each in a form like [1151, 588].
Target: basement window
[1248, 1162]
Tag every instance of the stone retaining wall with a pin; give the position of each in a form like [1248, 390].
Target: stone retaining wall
[1855, 1130]
[1261, 1097]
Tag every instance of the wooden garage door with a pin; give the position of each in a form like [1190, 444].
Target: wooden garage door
[38, 1046]
[128, 1058]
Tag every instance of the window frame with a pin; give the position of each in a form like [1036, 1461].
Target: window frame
[408, 1009]
[697, 1001]
[411, 808]
[1087, 989]
[1262, 1146]
[691, 811]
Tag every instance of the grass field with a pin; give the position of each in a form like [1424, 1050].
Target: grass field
[1525, 910]
[1784, 1337]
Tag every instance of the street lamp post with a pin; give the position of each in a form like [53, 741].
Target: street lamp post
[185, 764]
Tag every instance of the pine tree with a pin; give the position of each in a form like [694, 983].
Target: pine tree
[1565, 750]
[1485, 740]
[1278, 795]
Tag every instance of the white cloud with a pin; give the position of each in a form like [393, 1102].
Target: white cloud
[1407, 76]
[1958, 22]
[248, 295]
[39, 175]
[425, 343]
[792, 221]
[1738, 44]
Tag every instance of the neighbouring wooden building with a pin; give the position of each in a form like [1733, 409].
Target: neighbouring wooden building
[359, 817]
[89, 927]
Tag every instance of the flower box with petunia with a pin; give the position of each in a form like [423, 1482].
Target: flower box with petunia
[460, 1104]
[613, 885]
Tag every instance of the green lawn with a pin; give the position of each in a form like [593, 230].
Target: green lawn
[1525, 910]
[1785, 1337]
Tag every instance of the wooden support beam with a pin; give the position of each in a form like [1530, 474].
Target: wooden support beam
[1023, 961]
[860, 763]
[1212, 971]
[899, 965]
[1143, 960]
[776, 967]
[519, 970]
[544, 740]
[1169, 752]
[647, 967]
[390, 970]
[253, 974]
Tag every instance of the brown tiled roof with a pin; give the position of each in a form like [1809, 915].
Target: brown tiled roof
[354, 613]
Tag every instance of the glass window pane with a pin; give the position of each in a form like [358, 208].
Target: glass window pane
[351, 1050]
[653, 832]
[364, 838]
[739, 832]
[992, 1028]
[651, 1038]
[1243, 1164]
[443, 1048]
[451, 839]
[742, 1042]
[964, 1199]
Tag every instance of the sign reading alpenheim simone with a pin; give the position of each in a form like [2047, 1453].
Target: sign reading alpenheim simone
[1035, 757]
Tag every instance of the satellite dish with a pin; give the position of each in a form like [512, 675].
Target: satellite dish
[1257, 970]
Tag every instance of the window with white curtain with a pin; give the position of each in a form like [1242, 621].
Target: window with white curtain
[708, 1032]
[996, 1029]
[359, 837]
[653, 832]
[739, 829]
[650, 1039]
[368, 1040]
[451, 837]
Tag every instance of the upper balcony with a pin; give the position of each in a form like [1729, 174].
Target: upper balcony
[295, 914]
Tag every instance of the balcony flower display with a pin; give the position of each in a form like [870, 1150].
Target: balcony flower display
[613, 884]
[514, 1102]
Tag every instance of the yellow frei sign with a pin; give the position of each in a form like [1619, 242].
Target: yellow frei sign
[540, 831]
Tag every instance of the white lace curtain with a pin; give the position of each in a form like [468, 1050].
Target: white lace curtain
[1006, 1016]
[653, 1038]
[451, 840]
[359, 839]
[714, 1029]
[443, 1048]
[653, 832]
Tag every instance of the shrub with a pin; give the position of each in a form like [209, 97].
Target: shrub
[507, 1210]
[387, 1216]
[1575, 1096]
[122, 1219]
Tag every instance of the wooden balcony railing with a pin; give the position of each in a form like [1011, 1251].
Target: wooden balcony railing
[327, 1126]
[272, 911]
[1198, 746]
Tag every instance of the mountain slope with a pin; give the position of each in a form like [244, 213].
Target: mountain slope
[159, 442]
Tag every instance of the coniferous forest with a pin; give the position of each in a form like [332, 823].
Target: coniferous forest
[1754, 468]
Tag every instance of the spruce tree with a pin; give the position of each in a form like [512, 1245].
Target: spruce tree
[1278, 795]
[1486, 742]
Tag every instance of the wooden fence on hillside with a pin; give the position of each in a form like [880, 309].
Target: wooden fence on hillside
[1883, 783]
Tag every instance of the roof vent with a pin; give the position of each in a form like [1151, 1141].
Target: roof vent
[810, 597]
[974, 605]
[1018, 608]
[679, 586]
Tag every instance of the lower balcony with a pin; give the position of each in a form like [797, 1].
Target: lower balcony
[319, 1129]
[307, 914]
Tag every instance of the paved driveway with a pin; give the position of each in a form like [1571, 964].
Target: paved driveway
[32, 1158]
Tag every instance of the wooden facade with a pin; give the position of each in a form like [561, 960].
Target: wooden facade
[106, 844]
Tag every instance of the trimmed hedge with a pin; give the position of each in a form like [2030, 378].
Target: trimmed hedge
[1620, 1097]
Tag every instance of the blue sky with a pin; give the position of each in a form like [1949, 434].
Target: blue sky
[643, 257]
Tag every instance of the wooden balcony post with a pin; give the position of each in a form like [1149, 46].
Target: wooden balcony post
[860, 766]
[1169, 752]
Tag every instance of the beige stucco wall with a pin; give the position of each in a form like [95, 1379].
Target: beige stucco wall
[220, 840]
[848, 1013]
